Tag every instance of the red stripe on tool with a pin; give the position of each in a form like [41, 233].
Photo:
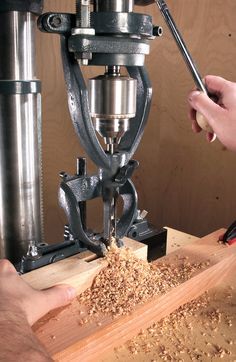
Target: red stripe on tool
[232, 241]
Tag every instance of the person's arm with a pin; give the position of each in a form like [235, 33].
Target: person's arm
[222, 116]
[17, 340]
[20, 307]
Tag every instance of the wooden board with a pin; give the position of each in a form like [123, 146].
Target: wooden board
[176, 239]
[192, 337]
[67, 340]
[78, 271]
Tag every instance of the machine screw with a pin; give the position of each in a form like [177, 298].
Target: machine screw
[63, 174]
[55, 21]
[83, 28]
[83, 13]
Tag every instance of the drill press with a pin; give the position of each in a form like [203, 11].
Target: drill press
[115, 39]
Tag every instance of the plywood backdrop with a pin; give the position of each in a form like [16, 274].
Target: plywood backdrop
[182, 181]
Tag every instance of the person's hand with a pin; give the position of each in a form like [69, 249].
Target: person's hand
[222, 116]
[18, 297]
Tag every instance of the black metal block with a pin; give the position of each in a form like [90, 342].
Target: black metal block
[156, 244]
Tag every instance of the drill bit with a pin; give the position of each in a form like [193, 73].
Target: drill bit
[112, 208]
[112, 232]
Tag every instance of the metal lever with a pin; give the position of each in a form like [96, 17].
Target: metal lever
[182, 46]
[201, 120]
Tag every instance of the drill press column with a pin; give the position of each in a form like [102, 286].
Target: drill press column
[20, 139]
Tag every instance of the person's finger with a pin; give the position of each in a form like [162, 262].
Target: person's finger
[52, 298]
[191, 114]
[210, 137]
[195, 127]
[221, 237]
[204, 105]
[215, 85]
[6, 266]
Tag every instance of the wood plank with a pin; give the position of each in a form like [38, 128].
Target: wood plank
[196, 332]
[77, 271]
[177, 239]
[87, 342]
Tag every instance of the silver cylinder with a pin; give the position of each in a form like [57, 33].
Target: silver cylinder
[17, 47]
[112, 97]
[20, 138]
[119, 6]
[112, 103]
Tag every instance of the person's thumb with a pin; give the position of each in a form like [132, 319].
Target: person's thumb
[51, 298]
[209, 109]
[59, 295]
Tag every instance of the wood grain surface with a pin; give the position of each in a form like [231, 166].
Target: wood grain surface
[182, 181]
[67, 339]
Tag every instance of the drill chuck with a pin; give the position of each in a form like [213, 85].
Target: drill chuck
[112, 104]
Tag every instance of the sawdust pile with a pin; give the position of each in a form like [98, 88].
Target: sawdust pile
[128, 281]
[197, 331]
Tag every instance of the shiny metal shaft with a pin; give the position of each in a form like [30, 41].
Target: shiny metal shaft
[109, 222]
[20, 136]
[113, 211]
[112, 236]
[110, 216]
[181, 44]
[123, 6]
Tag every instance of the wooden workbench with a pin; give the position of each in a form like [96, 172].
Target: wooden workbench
[67, 340]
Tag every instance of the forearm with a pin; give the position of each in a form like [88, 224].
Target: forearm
[17, 340]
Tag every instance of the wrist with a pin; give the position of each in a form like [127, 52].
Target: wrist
[12, 313]
[16, 332]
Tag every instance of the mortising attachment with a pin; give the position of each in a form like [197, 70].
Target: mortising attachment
[114, 107]
[116, 38]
